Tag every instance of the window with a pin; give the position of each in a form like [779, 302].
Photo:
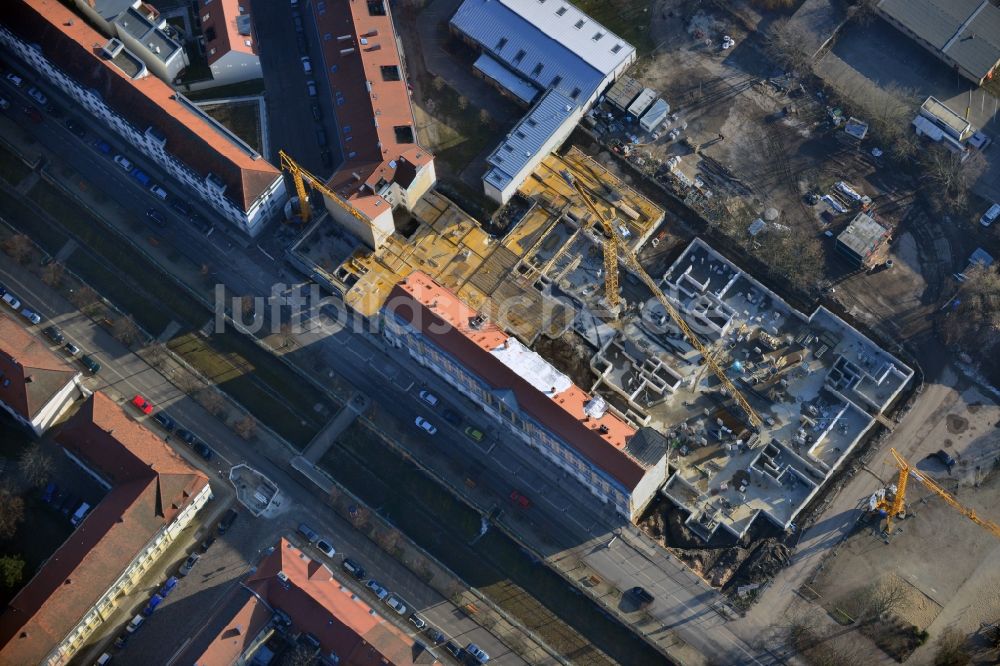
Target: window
[579, 24]
[597, 36]
[520, 135]
[210, 34]
[509, 148]
[576, 93]
[519, 57]
[376, 7]
[537, 70]
[531, 122]
[390, 73]
[616, 48]
[556, 81]
[561, 11]
[502, 43]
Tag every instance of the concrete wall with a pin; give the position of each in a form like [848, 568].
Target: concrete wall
[234, 67]
[58, 405]
[373, 232]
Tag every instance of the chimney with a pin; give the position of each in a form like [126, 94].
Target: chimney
[29, 379]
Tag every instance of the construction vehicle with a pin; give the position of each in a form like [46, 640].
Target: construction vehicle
[612, 244]
[891, 501]
[299, 176]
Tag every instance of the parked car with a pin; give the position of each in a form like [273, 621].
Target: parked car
[418, 622]
[228, 520]
[311, 87]
[37, 95]
[122, 639]
[377, 588]
[185, 436]
[206, 544]
[451, 416]
[76, 128]
[436, 636]
[54, 334]
[158, 192]
[31, 316]
[156, 216]
[316, 111]
[181, 207]
[640, 595]
[80, 513]
[15, 79]
[307, 65]
[477, 652]
[168, 423]
[202, 450]
[188, 564]
[123, 162]
[520, 500]
[308, 532]
[11, 300]
[474, 434]
[71, 349]
[990, 216]
[103, 660]
[206, 228]
[429, 398]
[944, 458]
[69, 504]
[5, 104]
[425, 425]
[321, 137]
[33, 113]
[454, 649]
[103, 146]
[326, 548]
[168, 587]
[396, 604]
[90, 363]
[152, 605]
[134, 625]
[142, 404]
[49, 492]
[353, 568]
[141, 176]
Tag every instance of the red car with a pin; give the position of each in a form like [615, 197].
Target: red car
[517, 498]
[142, 404]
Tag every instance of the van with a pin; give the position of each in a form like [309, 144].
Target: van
[80, 514]
[990, 216]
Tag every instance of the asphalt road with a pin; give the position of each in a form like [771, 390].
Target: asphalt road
[123, 375]
[575, 519]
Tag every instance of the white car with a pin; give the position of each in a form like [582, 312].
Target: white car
[429, 398]
[134, 625]
[307, 65]
[396, 605]
[31, 316]
[990, 216]
[425, 425]
[15, 79]
[325, 548]
[158, 191]
[375, 587]
[11, 300]
[37, 95]
[123, 162]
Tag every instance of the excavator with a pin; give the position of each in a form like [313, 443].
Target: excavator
[613, 244]
[891, 502]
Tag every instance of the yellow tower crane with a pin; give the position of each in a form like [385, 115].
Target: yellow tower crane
[300, 176]
[896, 506]
[611, 247]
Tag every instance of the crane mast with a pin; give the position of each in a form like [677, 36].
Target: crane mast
[300, 175]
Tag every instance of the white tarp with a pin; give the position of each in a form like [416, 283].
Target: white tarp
[532, 368]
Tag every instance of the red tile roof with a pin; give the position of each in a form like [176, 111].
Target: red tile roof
[371, 106]
[440, 316]
[70, 43]
[222, 19]
[30, 374]
[150, 485]
[319, 604]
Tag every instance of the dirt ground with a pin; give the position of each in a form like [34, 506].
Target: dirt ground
[240, 118]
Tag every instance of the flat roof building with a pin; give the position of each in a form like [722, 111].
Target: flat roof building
[384, 166]
[554, 47]
[965, 34]
[862, 240]
[152, 495]
[112, 85]
[623, 93]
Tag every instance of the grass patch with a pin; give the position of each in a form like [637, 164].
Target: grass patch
[12, 169]
[442, 525]
[628, 18]
[252, 376]
[457, 135]
[240, 118]
[241, 89]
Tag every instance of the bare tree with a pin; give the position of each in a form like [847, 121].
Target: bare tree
[125, 330]
[18, 247]
[789, 46]
[52, 274]
[952, 174]
[463, 102]
[485, 118]
[210, 399]
[951, 649]
[11, 512]
[973, 322]
[245, 427]
[35, 465]
[438, 83]
[300, 655]
[83, 297]
[882, 598]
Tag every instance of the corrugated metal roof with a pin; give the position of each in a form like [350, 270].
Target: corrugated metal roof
[655, 114]
[623, 92]
[642, 102]
[511, 82]
[528, 136]
[966, 31]
[535, 44]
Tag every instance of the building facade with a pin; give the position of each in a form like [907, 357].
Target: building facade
[525, 396]
[230, 41]
[112, 84]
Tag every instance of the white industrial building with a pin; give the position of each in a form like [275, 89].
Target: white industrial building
[553, 47]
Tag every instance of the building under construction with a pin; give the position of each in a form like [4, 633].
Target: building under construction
[814, 384]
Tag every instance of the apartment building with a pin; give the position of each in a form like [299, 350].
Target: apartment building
[526, 397]
[230, 41]
[36, 386]
[110, 82]
[152, 495]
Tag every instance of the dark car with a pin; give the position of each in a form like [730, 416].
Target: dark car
[168, 423]
[189, 564]
[103, 146]
[228, 520]
[316, 111]
[76, 128]
[454, 649]
[206, 544]
[181, 207]
[201, 225]
[90, 363]
[50, 492]
[451, 416]
[436, 636]
[185, 436]
[156, 216]
[54, 334]
[944, 458]
[641, 596]
[321, 136]
[33, 113]
[122, 640]
[353, 568]
[202, 450]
